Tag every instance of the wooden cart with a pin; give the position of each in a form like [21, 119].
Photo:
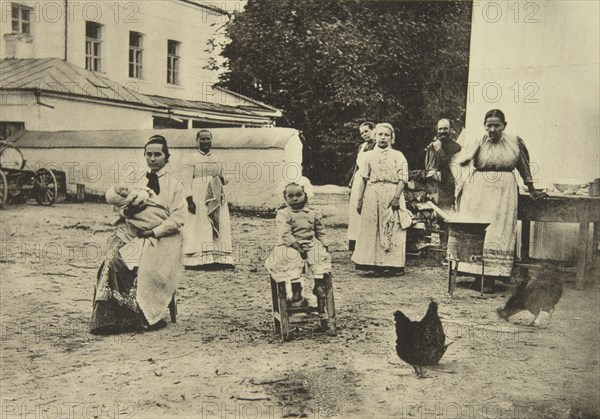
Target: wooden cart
[19, 183]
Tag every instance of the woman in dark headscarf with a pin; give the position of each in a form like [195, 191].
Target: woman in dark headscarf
[139, 275]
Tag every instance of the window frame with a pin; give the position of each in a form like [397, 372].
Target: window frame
[174, 63]
[93, 57]
[19, 19]
[136, 56]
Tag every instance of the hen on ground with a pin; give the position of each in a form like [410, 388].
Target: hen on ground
[537, 295]
[420, 343]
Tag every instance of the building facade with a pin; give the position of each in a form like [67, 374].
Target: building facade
[539, 62]
[72, 65]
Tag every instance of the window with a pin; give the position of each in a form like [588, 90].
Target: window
[173, 62]
[9, 128]
[20, 18]
[93, 46]
[136, 49]
[159, 122]
[204, 124]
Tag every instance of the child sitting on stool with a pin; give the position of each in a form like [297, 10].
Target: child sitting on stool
[301, 238]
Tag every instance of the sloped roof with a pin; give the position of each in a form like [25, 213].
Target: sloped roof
[257, 104]
[201, 106]
[223, 138]
[58, 76]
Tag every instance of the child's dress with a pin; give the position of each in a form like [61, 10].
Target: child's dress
[305, 227]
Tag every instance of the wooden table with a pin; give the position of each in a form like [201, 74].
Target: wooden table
[565, 209]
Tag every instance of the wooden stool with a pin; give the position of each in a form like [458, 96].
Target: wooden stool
[173, 309]
[284, 316]
[453, 271]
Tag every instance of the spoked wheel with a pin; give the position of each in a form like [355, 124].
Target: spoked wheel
[10, 156]
[3, 189]
[46, 187]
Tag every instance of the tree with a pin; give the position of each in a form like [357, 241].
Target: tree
[330, 65]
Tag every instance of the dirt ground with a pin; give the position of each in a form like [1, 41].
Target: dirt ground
[222, 360]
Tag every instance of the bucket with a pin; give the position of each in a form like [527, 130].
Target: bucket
[465, 239]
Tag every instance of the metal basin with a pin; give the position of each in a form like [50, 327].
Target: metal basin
[465, 239]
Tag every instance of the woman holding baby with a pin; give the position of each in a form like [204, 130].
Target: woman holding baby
[142, 267]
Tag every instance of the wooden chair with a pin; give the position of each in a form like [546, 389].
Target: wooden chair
[284, 317]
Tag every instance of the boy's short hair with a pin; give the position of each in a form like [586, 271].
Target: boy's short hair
[294, 184]
[303, 182]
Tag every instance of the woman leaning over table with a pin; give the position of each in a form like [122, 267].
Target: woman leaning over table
[490, 192]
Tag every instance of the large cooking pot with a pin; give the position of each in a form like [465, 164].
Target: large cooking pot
[465, 243]
[465, 239]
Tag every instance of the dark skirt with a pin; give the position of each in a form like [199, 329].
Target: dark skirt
[115, 308]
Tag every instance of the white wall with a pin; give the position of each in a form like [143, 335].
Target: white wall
[254, 176]
[47, 30]
[69, 115]
[547, 67]
[539, 63]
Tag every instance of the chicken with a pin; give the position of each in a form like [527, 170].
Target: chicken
[420, 343]
[540, 294]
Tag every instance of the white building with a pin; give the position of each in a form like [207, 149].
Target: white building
[539, 62]
[90, 65]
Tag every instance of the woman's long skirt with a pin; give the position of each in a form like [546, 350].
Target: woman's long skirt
[353, 215]
[200, 247]
[492, 197]
[115, 308]
[381, 241]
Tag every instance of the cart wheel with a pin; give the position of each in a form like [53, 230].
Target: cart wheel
[10, 156]
[46, 187]
[3, 189]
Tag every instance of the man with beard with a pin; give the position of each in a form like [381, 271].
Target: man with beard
[438, 170]
[438, 166]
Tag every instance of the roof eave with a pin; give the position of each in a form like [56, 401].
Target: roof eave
[82, 98]
[208, 7]
[249, 99]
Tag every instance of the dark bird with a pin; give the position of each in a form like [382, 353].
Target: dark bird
[420, 343]
[540, 294]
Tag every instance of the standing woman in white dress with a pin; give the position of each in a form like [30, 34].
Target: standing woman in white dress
[366, 128]
[207, 230]
[381, 243]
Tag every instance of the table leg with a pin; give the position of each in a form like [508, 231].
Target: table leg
[525, 234]
[482, 274]
[595, 238]
[582, 253]
[452, 272]
[594, 257]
